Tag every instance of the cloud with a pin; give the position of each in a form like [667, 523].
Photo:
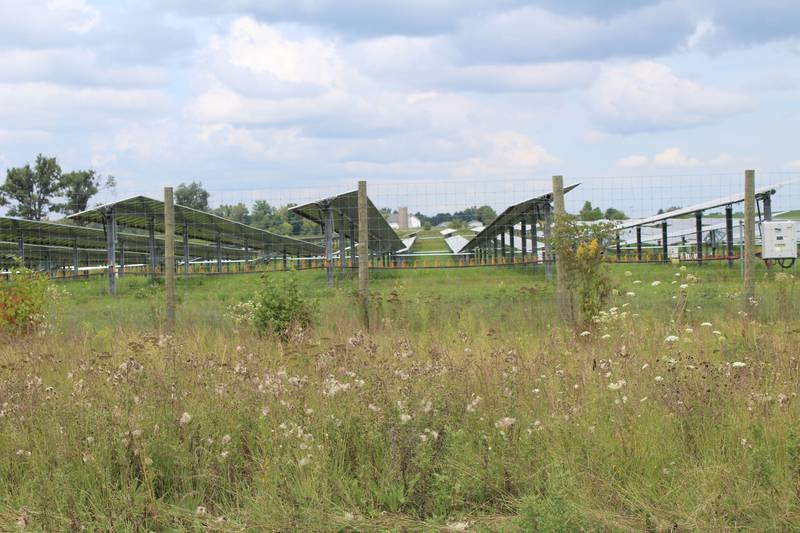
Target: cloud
[673, 157]
[633, 161]
[793, 165]
[648, 96]
[532, 34]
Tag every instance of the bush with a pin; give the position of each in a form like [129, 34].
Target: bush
[281, 307]
[579, 250]
[22, 300]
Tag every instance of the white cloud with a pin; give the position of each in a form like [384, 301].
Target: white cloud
[705, 28]
[793, 165]
[633, 161]
[80, 17]
[648, 96]
[509, 154]
[673, 157]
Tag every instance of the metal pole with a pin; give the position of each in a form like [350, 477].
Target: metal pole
[353, 258]
[185, 249]
[111, 229]
[563, 295]
[169, 257]
[639, 243]
[342, 243]
[363, 251]
[523, 234]
[494, 249]
[729, 233]
[151, 244]
[698, 234]
[768, 207]
[535, 239]
[328, 230]
[664, 244]
[548, 249]
[75, 259]
[121, 258]
[285, 264]
[619, 248]
[503, 246]
[511, 241]
[749, 238]
[219, 254]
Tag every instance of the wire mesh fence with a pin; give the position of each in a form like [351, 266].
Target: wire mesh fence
[412, 225]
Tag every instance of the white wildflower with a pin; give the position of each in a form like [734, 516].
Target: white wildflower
[738, 364]
[585, 333]
[617, 385]
[404, 418]
[672, 338]
[655, 283]
[185, 419]
[505, 422]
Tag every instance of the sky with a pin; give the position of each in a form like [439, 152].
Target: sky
[271, 94]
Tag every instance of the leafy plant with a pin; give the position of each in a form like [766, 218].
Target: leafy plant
[579, 248]
[281, 307]
[22, 300]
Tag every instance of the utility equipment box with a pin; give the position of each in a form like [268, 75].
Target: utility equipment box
[779, 240]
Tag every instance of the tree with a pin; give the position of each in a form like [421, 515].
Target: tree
[192, 195]
[614, 214]
[667, 210]
[589, 213]
[78, 187]
[31, 190]
[236, 212]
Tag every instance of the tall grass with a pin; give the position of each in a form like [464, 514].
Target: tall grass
[468, 407]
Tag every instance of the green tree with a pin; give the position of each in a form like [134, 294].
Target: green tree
[590, 213]
[236, 212]
[614, 214]
[78, 187]
[30, 191]
[192, 195]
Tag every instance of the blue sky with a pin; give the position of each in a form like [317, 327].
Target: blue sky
[248, 94]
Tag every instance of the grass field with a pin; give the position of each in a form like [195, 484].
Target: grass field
[467, 406]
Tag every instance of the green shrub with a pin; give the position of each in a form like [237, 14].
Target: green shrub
[553, 508]
[22, 300]
[281, 307]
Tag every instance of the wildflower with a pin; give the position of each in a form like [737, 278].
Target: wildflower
[304, 461]
[606, 336]
[689, 330]
[683, 268]
[226, 439]
[374, 408]
[655, 283]
[585, 333]
[671, 338]
[185, 419]
[716, 332]
[457, 526]
[200, 510]
[684, 286]
[706, 324]
[224, 454]
[630, 293]
[505, 422]
[643, 399]
[617, 385]
[471, 406]
[738, 364]
[645, 366]
[637, 282]
[628, 273]
[659, 379]
[404, 418]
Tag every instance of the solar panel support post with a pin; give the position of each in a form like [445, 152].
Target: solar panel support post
[219, 254]
[285, 261]
[729, 233]
[503, 246]
[111, 230]
[639, 243]
[342, 245]
[48, 262]
[749, 239]
[169, 257]
[535, 239]
[664, 243]
[121, 258]
[619, 248]
[767, 201]
[75, 259]
[185, 249]
[524, 235]
[698, 234]
[151, 244]
[494, 249]
[511, 241]
[363, 252]
[353, 259]
[548, 256]
[327, 218]
[21, 248]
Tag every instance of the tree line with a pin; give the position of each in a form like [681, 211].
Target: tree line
[32, 192]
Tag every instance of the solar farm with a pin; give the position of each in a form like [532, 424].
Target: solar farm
[375, 374]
